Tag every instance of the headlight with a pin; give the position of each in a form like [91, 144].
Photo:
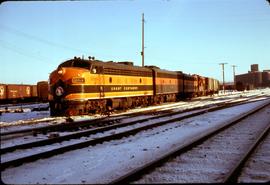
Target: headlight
[59, 91]
[61, 71]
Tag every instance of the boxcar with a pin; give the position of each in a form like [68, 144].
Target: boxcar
[15, 91]
[199, 85]
[42, 91]
[212, 86]
[34, 91]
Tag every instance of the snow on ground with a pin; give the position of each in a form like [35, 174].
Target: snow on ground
[23, 106]
[28, 117]
[104, 162]
[257, 168]
[29, 138]
[214, 157]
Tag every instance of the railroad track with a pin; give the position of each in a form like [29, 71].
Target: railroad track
[217, 156]
[61, 147]
[71, 125]
[257, 168]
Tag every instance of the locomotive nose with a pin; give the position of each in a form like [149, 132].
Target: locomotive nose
[59, 90]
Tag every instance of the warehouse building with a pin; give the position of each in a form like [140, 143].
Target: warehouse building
[254, 79]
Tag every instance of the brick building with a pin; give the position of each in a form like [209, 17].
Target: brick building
[254, 79]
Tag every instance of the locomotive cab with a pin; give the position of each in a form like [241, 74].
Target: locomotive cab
[64, 83]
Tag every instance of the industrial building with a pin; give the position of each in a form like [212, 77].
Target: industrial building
[254, 79]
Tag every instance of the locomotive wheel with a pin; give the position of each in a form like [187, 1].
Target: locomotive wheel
[124, 104]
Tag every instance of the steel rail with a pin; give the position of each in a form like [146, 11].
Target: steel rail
[86, 123]
[92, 142]
[138, 172]
[235, 172]
[105, 128]
[83, 133]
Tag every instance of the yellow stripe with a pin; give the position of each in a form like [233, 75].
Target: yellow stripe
[85, 96]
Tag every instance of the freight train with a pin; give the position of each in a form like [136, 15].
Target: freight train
[80, 86]
[17, 93]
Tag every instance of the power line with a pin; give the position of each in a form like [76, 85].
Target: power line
[38, 39]
[44, 41]
[20, 51]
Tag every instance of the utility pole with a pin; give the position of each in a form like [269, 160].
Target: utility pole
[142, 53]
[223, 76]
[234, 75]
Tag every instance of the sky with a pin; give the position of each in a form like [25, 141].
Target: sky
[193, 36]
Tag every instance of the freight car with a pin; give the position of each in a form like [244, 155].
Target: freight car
[18, 93]
[211, 86]
[13, 93]
[81, 86]
[42, 91]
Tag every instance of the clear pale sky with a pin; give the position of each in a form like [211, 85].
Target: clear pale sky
[192, 36]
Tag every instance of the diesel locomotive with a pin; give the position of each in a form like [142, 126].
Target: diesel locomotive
[79, 86]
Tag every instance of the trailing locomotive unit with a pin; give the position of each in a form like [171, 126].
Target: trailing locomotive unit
[81, 86]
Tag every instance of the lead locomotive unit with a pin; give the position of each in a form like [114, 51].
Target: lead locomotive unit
[80, 86]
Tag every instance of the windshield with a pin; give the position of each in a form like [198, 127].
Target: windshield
[76, 63]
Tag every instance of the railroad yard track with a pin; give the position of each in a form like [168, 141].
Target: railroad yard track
[79, 124]
[218, 156]
[115, 129]
[88, 123]
[109, 126]
[71, 125]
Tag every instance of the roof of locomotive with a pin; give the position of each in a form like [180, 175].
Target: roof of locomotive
[110, 64]
[119, 65]
[126, 65]
[167, 71]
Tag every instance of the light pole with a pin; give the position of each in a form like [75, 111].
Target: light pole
[142, 53]
[223, 76]
[234, 66]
